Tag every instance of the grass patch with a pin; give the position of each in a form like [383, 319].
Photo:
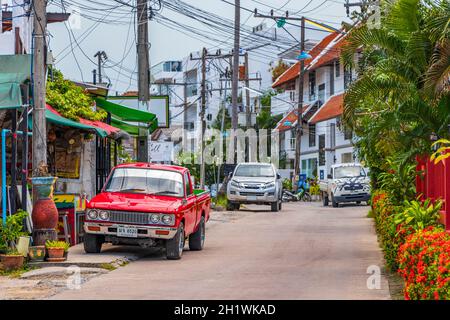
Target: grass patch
[108, 266]
[370, 214]
[18, 272]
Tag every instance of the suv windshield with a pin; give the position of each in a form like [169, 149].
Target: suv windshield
[148, 181]
[254, 171]
[349, 172]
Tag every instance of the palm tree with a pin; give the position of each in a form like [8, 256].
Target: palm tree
[401, 95]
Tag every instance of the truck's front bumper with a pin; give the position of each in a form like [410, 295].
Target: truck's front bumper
[352, 197]
[249, 197]
[110, 229]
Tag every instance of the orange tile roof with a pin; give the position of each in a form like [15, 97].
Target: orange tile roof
[328, 54]
[332, 108]
[290, 117]
[293, 72]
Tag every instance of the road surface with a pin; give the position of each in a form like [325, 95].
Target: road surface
[305, 251]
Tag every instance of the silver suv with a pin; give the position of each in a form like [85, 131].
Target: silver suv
[254, 183]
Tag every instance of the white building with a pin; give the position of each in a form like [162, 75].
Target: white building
[325, 141]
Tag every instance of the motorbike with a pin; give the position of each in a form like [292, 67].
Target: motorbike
[301, 195]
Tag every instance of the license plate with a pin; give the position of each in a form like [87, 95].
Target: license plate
[130, 232]
[251, 198]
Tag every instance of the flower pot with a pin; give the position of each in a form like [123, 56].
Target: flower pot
[45, 214]
[37, 253]
[11, 262]
[55, 254]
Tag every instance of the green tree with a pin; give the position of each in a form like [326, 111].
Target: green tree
[402, 90]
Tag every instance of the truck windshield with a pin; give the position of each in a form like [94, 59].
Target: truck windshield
[349, 172]
[148, 181]
[254, 171]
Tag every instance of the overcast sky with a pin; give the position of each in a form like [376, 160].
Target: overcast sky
[116, 39]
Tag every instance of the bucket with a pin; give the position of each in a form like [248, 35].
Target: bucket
[23, 245]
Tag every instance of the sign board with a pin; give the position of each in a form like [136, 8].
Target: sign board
[242, 118]
[160, 151]
[159, 105]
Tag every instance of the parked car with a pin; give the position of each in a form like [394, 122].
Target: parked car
[148, 205]
[347, 182]
[254, 183]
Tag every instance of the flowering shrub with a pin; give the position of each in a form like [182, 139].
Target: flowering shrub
[424, 264]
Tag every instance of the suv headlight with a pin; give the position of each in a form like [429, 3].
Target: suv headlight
[168, 219]
[92, 214]
[235, 184]
[269, 185]
[103, 215]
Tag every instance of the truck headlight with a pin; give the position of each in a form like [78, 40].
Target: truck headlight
[235, 184]
[154, 218]
[103, 215]
[168, 219]
[269, 185]
[92, 214]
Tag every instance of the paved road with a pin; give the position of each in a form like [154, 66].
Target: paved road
[304, 252]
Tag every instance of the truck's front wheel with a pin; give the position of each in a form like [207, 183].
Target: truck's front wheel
[333, 202]
[197, 239]
[275, 206]
[92, 243]
[175, 246]
[325, 199]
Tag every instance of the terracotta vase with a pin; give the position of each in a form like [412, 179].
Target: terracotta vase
[45, 214]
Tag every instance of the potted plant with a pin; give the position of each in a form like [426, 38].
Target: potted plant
[56, 250]
[36, 253]
[10, 231]
[11, 260]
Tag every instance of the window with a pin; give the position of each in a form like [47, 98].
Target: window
[337, 71]
[187, 182]
[349, 172]
[146, 181]
[321, 95]
[312, 84]
[322, 150]
[260, 170]
[292, 143]
[309, 167]
[347, 157]
[332, 135]
[348, 133]
[347, 77]
[312, 135]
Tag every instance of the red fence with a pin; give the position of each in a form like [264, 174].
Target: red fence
[433, 182]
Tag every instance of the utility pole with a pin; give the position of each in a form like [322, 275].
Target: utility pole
[299, 129]
[235, 74]
[248, 110]
[39, 67]
[202, 119]
[100, 55]
[142, 51]
[281, 20]
[204, 56]
[143, 74]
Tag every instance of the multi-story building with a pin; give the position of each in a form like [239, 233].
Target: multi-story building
[325, 141]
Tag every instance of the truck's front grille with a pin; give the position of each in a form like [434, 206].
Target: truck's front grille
[258, 194]
[129, 217]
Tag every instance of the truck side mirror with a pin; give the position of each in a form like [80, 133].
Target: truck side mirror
[230, 175]
[329, 176]
[278, 176]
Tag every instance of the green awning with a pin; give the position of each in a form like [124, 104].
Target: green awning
[14, 70]
[56, 119]
[10, 95]
[127, 127]
[125, 114]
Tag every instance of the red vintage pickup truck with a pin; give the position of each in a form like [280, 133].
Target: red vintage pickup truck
[148, 205]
